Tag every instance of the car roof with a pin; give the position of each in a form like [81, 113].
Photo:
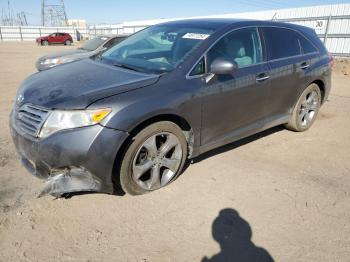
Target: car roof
[219, 23]
[103, 36]
[213, 23]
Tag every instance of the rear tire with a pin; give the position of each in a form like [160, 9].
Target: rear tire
[67, 42]
[154, 158]
[306, 109]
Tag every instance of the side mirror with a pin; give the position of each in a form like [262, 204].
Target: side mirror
[221, 66]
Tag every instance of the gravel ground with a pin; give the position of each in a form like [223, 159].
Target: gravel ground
[278, 194]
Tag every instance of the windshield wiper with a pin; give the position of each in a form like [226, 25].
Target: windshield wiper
[127, 67]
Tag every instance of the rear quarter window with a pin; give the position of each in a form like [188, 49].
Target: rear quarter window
[281, 42]
[306, 45]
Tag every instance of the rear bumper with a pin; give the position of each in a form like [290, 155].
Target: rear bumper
[91, 150]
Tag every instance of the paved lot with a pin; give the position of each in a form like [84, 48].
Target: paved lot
[278, 194]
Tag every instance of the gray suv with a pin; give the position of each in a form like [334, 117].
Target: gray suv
[88, 49]
[131, 116]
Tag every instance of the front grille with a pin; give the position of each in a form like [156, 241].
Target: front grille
[30, 118]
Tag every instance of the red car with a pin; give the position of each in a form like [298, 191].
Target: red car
[55, 38]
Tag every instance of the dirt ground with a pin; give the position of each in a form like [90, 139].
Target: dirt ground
[342, 66]
[278, 194]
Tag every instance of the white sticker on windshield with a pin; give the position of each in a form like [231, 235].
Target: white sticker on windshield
[104, 38]
[196, 36]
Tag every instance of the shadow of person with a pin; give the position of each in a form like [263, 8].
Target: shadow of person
[234, 234]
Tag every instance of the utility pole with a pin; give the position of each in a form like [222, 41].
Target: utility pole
[22, 19]
[42, 13]
[9, 13]
[53, 13]
[7, 17]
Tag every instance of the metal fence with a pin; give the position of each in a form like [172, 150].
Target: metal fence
[30, 33]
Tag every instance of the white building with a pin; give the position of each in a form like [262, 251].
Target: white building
[77, 22]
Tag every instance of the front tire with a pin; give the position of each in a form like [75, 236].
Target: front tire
[67, 42]
[154, 158]
[306, 109]
[45, 43]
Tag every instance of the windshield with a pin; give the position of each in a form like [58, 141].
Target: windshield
[94, 43]
[156, 49]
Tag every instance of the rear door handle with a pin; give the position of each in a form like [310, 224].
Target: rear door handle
[262, 77]
[304, 65]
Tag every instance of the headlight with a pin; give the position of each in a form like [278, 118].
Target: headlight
[50, 61]
[64, 119]
[56, 61]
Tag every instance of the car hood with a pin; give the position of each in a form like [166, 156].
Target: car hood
[76, 85]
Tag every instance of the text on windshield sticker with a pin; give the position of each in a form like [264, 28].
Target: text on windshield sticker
[196, 36]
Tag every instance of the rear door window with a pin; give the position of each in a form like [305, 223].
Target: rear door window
[281, 42]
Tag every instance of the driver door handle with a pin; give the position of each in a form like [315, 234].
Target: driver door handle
[262, 77]
[304, 65]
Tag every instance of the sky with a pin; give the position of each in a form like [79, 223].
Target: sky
[115, 11]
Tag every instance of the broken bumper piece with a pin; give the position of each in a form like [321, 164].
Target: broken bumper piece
[70, 181]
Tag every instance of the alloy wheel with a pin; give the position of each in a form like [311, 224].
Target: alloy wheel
[309, 108]
[157, 161]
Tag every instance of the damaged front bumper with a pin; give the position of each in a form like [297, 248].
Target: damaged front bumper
[74, 160]
[71, 180]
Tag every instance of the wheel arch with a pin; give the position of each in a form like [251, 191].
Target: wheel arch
[322, 87]
[320, 83]
[178, 120]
